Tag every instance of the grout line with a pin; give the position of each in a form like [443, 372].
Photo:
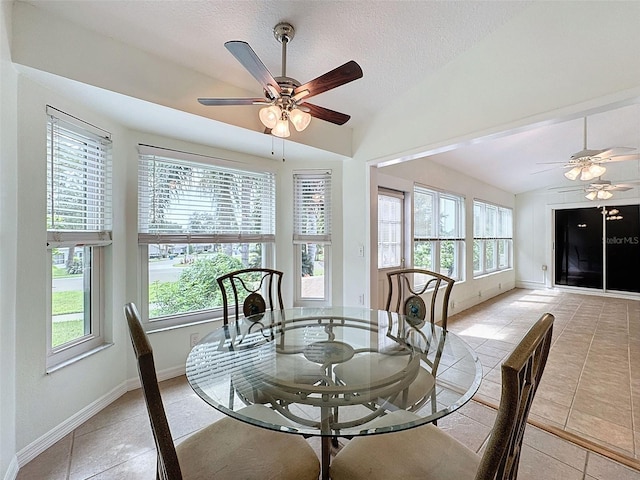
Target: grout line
[586, 463]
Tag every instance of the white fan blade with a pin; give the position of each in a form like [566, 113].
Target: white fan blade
[622, 158]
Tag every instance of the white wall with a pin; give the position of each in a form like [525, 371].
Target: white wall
[8, 239]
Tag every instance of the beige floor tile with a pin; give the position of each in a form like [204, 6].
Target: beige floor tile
[128, 405]
[618, 413]
[52, 464]
[550, 411]
[142, 467]
[606, 433]
[107, 447]
[467, 431]
[535, 465]
[555, 447]
[604, 469]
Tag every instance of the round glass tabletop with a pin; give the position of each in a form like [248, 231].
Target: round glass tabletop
[334, 371]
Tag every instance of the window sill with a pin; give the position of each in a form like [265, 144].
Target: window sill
[156, 329]
[57, 366]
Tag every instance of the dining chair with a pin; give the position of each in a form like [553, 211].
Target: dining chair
[409, 287]
[250, 291]
[228, 448]
[428, 453]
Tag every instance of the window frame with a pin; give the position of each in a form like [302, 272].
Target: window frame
[437, 237]
[302, 237]
[94, 233]
[145, 239]
[491, 236]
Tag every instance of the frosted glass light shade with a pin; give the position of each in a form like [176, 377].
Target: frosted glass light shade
[299, 119]
[599, 194]
[596, 170]
[573, 173]
[281, 129]
[269, 116]
[604, 195]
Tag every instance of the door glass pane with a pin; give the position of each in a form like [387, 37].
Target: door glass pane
[70, 295]
[578, 241]
[389, 231]
[623, 248]
[312, 283]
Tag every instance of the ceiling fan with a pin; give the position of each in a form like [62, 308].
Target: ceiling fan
[601, 189]
[588, 164]
[285, 99]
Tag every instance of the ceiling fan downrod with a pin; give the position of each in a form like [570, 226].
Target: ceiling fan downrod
[284, 33]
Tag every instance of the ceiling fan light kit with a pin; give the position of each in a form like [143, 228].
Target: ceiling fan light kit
[285, 97]
[586, 170]
[599, 195]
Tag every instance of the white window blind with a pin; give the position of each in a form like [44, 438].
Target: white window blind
[312, 207]
[79, 181]
[492, 221]
[184, 201]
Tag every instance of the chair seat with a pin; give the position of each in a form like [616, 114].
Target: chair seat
[425, 453]
[379, 366]
[231, 450]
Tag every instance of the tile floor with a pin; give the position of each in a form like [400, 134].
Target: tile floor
[590, 393]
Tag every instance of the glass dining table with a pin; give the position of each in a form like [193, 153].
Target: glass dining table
[334, 372]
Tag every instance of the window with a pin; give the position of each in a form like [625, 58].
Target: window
[390, 225]
[312, 236]
[438, 232]
[197, 221]
[78, 231]
[492, 238]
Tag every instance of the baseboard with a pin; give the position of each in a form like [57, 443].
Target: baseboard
[12, 470]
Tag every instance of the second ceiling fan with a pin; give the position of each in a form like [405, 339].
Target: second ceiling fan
[285, 99]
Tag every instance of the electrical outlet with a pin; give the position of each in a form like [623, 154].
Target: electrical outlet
[361, 299]
[195, 337]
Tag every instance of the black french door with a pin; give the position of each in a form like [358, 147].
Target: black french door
[598, 247]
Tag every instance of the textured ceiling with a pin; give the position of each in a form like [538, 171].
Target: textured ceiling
[397, 43]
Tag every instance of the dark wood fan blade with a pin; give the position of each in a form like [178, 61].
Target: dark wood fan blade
[232, 101]
[249, 60]
[346, 73]
[326, 114]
